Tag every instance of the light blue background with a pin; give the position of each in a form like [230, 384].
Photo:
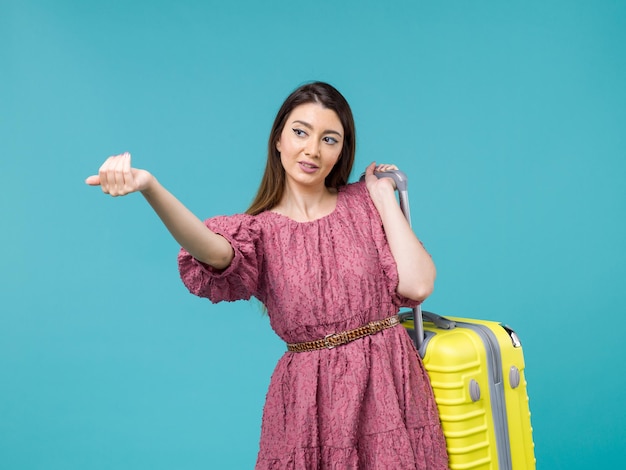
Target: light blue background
[509, 118]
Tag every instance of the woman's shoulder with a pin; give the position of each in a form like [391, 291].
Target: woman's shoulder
[356, 199]
[260, 224]
[234, 224]
[356, 188]
[233, 219]
[355, 194]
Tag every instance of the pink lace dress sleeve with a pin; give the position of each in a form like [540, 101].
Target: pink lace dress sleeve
[240, 280]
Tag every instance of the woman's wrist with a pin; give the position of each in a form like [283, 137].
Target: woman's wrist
[150, 185]
[382, 194]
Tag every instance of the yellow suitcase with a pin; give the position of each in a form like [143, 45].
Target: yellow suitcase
[476, 370]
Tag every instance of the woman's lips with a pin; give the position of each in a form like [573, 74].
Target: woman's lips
[307, 167]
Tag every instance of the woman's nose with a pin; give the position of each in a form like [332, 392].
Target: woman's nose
[312, 148]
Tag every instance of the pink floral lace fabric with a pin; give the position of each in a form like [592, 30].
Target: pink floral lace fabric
[364, 405]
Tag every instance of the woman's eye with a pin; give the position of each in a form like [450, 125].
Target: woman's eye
[298, 132]
[330, 140]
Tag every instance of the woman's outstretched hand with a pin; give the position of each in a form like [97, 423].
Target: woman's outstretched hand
[117, 178]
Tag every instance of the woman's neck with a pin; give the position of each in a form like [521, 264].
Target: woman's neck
[305, 206]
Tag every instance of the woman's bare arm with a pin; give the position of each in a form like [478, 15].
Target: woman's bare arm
[117, 178]
[416, 269]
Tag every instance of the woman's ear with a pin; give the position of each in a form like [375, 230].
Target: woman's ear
[278, 144]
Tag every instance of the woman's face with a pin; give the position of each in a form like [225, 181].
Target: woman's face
[310, 144]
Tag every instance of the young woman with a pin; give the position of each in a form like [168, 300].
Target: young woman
[332, 262]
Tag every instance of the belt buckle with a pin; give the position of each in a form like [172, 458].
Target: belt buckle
[327, 343]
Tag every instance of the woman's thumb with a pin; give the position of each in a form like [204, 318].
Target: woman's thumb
[93, 180]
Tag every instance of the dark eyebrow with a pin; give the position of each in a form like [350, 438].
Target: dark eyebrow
[309, 126]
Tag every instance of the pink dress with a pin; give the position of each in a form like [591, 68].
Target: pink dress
[364, 405]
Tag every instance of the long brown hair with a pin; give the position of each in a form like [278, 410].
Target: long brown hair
[273, 182]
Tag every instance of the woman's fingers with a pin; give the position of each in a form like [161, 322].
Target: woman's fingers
[93, 180]
[120, 173]
[374, 168]
[103, 174]
[115, 176]
[386, 167]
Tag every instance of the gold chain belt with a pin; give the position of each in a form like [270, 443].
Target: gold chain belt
[337, 339]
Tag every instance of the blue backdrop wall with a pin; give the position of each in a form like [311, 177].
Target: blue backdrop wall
[509, 118]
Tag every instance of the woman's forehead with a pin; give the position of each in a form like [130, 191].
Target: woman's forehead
[316, 115]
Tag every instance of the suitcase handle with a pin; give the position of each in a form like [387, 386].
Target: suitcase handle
[401, 181]
[440, 322]
[398, 176]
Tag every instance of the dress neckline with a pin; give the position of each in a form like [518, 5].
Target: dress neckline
[313, 221]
